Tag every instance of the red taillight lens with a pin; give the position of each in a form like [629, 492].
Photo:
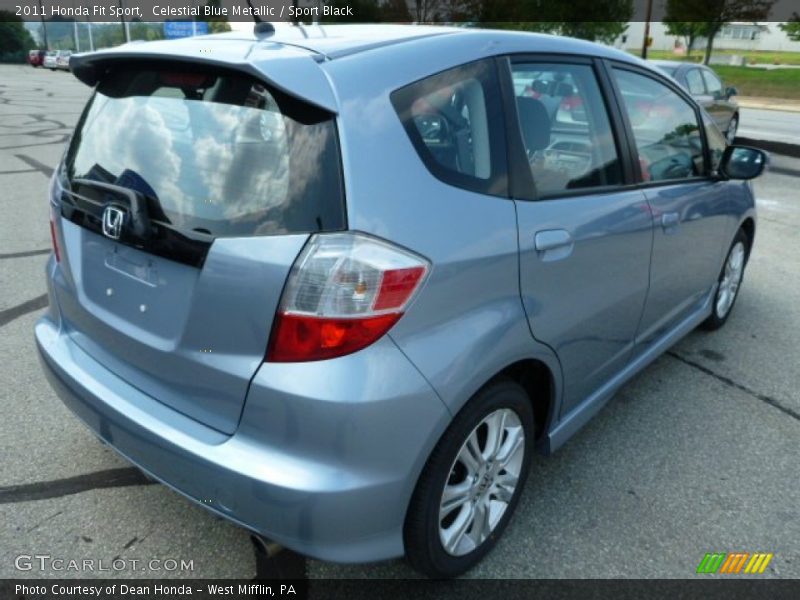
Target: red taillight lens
[397, 286]
[54, 238]
[345, 292]
[299, 338]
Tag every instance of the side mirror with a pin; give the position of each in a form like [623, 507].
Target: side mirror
[742, 162]
[731, 91]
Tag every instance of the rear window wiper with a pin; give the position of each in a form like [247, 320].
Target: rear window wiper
[137, 204]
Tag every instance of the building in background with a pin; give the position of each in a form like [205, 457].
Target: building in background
[734, 36]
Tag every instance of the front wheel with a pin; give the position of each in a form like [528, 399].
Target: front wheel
[730, 279]
[472, 482]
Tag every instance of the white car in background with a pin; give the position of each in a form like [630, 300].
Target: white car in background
[50, 60]
[62, 59]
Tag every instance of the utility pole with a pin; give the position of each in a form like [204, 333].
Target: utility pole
[75, 31]
[75, 37]
[647, 29]
[91, 40]
[126, 36]
[44, 25]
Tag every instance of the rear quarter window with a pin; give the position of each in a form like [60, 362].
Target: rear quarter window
[217, 152]
[455, 122]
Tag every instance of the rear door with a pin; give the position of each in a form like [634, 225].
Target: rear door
[584, 239]
[687, 206]
[184, 198]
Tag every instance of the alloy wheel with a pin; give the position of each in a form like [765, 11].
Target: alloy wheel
[731, 279]
[482, 481]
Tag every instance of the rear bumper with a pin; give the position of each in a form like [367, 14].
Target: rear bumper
[323, 462]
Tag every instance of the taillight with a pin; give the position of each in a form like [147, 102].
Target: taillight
[345, 291]
[54, 234]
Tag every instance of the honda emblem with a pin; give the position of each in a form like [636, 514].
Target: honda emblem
[113, 220]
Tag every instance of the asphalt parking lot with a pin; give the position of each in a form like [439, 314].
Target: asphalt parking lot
[698, 454]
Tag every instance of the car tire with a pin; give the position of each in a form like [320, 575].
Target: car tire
[483, 488]
[733, 125]
[729, 282]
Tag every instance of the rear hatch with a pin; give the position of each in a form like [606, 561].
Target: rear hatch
[184, 198]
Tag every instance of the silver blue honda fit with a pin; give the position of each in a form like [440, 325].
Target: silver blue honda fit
[338, 286]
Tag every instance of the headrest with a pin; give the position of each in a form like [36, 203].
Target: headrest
[534, 122]
[565, 89]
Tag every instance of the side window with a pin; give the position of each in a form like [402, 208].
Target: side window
[665, 128]
[565, 127]
[455, 121]
[694, 82]
[713, 84]
[716, 141]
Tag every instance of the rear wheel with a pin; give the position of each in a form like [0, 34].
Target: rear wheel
[471, 483]
[730, 279]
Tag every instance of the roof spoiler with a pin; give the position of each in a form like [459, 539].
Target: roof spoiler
[291, 71]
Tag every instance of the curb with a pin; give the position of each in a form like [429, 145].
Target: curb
[794, 108]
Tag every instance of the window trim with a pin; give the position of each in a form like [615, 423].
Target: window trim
[639, 183]
[520, 180]
[521, 183]
[497, 184]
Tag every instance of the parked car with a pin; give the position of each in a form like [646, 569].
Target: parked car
[62, 59]
[35, 58]
[49, 60]
[339, 289]
[707, 89]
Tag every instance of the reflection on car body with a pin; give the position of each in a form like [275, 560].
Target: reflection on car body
[707, 89]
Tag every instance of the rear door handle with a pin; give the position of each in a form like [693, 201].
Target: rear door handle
[670, 220]
[553, 244]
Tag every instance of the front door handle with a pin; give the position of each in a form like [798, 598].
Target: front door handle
[553, 244]
[670, 220]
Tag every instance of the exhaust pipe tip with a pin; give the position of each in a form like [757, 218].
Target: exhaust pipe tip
[273, 563]
[266, 546]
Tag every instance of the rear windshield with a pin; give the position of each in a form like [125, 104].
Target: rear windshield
[669, 70]
[216, 152]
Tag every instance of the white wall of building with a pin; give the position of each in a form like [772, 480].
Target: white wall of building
[769, 37]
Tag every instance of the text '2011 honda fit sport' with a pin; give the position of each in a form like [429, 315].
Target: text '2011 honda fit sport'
[338, 287]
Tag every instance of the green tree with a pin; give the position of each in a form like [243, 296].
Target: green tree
[147, 32]
[107, 35]
[368, 11]
[605, 20]
[461, 11]
[395, 11]
[688, 30]
[426, 11]
[216, 23]
[792, 27]
[713, 14]
[15, 40]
